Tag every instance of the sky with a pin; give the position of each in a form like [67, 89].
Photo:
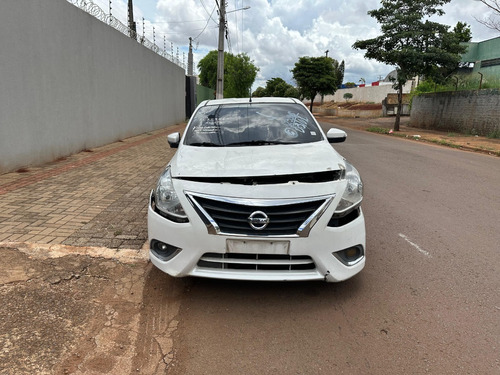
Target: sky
[275, 33]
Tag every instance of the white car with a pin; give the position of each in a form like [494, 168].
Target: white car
[255, 191]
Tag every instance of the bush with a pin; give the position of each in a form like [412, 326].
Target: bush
[347, 96]
[464, 83]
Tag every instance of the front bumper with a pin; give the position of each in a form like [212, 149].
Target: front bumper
[191, 244]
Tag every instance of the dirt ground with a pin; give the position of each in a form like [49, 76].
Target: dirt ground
[65, 312]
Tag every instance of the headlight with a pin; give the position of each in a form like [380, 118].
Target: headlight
[353, 194]
[166, 199]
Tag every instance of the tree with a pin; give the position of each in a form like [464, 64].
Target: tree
[259, 92]
[493, 21]
[316, 75]
[277, 87]
[463, 32]
[412, 43]
[292, 92]
[208, 70]
[340, 74]
[239, 73]
[347, 96]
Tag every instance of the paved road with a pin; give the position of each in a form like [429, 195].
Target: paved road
[428, 300]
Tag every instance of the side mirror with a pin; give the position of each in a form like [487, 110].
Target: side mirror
[335, 135]
[174, 139]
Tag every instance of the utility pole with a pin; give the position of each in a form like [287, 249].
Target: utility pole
[219, 92]
[131, 24]
[190, 57]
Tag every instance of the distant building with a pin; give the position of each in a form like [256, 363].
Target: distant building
[483, 57]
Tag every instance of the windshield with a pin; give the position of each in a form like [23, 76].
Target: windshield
[252, 124]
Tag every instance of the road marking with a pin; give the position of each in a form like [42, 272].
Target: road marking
[422, 251]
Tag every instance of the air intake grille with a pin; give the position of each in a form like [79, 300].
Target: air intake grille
[228, 216]
[256, 262]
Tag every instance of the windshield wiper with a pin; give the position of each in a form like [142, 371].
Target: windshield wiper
[259, 143]
[204, 144]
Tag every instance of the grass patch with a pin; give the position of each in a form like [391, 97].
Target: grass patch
[117, 232]
[378, 129]
[495, 134]
[444, 142]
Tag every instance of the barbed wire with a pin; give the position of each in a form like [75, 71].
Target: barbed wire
[93, 9]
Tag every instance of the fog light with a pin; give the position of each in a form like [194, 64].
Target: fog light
[351, 255]
[164, 251]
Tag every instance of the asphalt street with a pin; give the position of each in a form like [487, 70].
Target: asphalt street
[77, 295]
[428, 300]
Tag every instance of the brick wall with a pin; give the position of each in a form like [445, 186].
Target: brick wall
[470, 112]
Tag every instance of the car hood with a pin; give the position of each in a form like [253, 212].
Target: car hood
[271, 160]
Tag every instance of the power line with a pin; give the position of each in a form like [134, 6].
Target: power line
[210, 14]
[208, 21]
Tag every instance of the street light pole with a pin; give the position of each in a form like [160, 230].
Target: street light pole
[219, 91]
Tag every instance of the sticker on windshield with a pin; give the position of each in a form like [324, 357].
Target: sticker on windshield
[209, 129]
[313, 133]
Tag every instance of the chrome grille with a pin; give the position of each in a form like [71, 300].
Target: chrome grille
[286, 217]
[256, 262]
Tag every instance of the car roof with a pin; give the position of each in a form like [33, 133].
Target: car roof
[250, 100]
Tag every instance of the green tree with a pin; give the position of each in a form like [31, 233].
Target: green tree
[347, 96]
[316, 75]
[208, 70]
[239, 73]
[412, 43]
[276, 87]
[339, 73]
[259, 92]
[463, 32]
[292, 92]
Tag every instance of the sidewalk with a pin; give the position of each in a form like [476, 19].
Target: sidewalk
[95, 198]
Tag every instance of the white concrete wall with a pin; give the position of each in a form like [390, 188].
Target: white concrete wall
[367, 94]
[69, 82]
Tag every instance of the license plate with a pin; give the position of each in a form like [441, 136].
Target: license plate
[257, 247]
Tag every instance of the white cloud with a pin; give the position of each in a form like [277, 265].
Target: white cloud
[275, 33]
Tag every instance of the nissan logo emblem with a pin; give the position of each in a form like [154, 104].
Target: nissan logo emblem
[258, 220]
